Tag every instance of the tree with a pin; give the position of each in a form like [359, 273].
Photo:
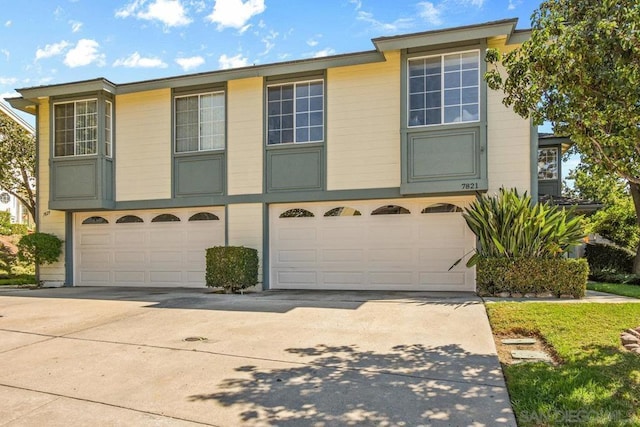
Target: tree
[580, 70]
[616, 220]
[17, 162]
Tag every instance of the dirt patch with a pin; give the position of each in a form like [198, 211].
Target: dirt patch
[504, 350]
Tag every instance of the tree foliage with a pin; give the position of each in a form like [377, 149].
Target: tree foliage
[580, 70]
[17, 160]
[39, 248]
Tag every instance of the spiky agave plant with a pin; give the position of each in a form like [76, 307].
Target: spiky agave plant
[510, 226]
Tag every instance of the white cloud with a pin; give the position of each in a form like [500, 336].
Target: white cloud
[237, 61]
[75, 26]
[6, 53]
[269, 41]
[136, 61]
[8, 80]
[357, 3]
[430, 13]
[386, 27]
[85, 52]
[170, 12]
[8, 23]
[324, 52]
[190, 63]
[476, 3]
[513, 4]
[235, 13]
[51, 50]
[314, 40]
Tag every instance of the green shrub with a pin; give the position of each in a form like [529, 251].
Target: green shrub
[20, 229]
[39, 248]
[5, 223]
[556, 276]
[510, 226]
[232, 267]
[611, 276]
[608, 258]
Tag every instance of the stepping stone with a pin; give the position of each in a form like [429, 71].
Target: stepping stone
[530, 355]
[519, 341]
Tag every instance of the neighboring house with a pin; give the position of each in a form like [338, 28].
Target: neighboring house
[550, 150]
[345, 172]
[8, 202]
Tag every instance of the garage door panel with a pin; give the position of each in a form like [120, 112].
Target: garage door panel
[129, 257]
[453, 278]
[129, 237]
[297, 256]
[354, 255]
[162, 236]
[396, 251]
[343, 278]
[95, 239]
[124, 276]
[96, 276]
[94, 257]
[297, 234]
[297, 278]
[174, 276]
[166, 257]
[391, 255]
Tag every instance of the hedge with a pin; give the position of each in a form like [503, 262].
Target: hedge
[540, 276]
[231, 267]
[609, 258]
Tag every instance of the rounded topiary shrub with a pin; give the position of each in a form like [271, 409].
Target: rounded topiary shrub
[232, 267]
[39, 248]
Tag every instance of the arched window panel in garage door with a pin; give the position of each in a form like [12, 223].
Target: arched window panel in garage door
[342, 211]
[95, 220]
[129, 219]
[441, 208]
[204, 216]
[391, 210]
[166, 218]
[297, 213]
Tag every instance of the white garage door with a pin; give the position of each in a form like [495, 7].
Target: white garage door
[145, 248]
[404, 244]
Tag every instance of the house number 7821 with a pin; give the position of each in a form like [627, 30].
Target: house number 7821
[469, 185]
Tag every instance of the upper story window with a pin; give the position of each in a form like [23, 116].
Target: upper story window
[200, 122]
[444, 89]
[548, 163]
[76, 128]
[108, 128]
[295, 112]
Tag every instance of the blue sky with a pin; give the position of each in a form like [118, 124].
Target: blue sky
[45, 41]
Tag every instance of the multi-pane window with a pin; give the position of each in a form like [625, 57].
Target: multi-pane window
[108, 128]
[444, 89]
[76, 128]
[200, 122]
[547, 163]
[295, 112]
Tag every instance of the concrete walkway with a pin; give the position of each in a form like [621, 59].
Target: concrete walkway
[117, 356]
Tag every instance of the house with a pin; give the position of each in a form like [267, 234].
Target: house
[9, 202]
[551, 147]
[345, 172]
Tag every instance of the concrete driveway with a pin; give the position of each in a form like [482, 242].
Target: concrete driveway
[115, 356]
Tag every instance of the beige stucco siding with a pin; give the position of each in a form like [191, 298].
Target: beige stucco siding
[244, 225]
[143, 145]
[244, 136]
[49, 221]
[508, 141]
[363, 118]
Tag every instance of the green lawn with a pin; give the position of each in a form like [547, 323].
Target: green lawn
[615, 288]
[20, 279]
[597, 383]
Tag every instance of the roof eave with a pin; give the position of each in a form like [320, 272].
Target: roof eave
[450, 35]
[22, 104]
